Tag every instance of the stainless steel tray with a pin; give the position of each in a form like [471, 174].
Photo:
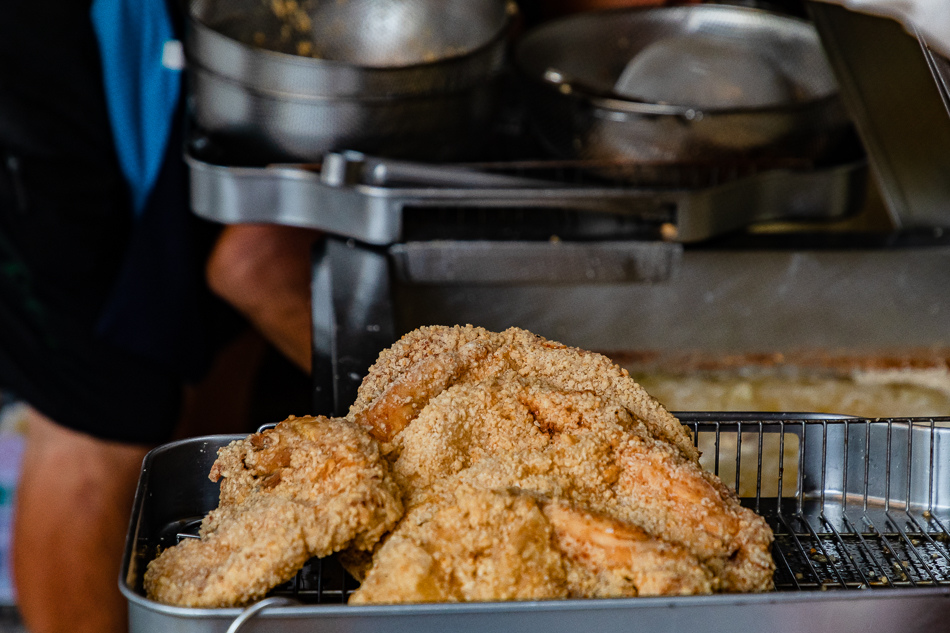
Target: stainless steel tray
[373, 213]
[861, 541]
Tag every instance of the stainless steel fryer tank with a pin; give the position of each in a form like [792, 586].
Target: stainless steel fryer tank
[861, 541]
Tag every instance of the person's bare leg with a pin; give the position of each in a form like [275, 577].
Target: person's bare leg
[263, 270]
[72, 512]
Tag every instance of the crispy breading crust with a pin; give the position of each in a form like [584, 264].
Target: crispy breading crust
[609, 558]
[478, 545]
[475, 466]
[427, 360]
[309, 487]
[503, 430]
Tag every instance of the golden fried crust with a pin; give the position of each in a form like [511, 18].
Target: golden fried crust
[478, 545]
[510, 431]
[461, 426]
[258, 545]
[309, 487]
[426, 361]
[666, 494]
[475, 466]
[679, 530]
[573, 370]
[610, 558]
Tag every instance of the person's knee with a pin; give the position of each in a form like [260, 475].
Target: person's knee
[72, 507]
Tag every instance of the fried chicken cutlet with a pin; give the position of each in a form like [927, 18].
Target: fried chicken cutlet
[428, 360]
[308, 487]
[475, 466]
[477, 545]
[465, 409]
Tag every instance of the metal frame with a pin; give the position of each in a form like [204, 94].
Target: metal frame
[352, 310]
[296, 195]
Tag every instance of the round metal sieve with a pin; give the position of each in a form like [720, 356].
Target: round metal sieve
[693, 83]
[350, 48]
[288, 81]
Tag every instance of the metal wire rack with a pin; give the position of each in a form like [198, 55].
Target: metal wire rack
[854, 503]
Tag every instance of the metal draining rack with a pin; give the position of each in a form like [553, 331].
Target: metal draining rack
[862, 504]
[854, 503]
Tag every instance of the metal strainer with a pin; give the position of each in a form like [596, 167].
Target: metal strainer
[701, 83]
[288, 80]
[375, 33]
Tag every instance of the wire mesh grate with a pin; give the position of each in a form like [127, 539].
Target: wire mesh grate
[853, 503]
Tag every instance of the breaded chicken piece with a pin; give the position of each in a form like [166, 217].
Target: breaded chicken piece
[684, 531]
[480, 545]
[507, 467]
[666, 494]
[608, 558]
[428, 360]
[475, 545]
[615, 475]
[256, 546]
[308, 487]
[535, 429]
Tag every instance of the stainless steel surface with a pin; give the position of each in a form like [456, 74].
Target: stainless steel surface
[352, 319]
[287, 195]
[517, 262]
[888, 536]
[883, 611]
[278, 73]
[940, 69]
[723, 302]
[897, 102]
[292, 195]
[707, 71]
[249, 613]
[254, 127]
[353, 168]
[594, 49]
[903, 453]
[264, 105]
[372, 34]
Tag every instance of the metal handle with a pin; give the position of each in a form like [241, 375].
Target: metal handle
[940, 69]
[256, 608]
[351, 168]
